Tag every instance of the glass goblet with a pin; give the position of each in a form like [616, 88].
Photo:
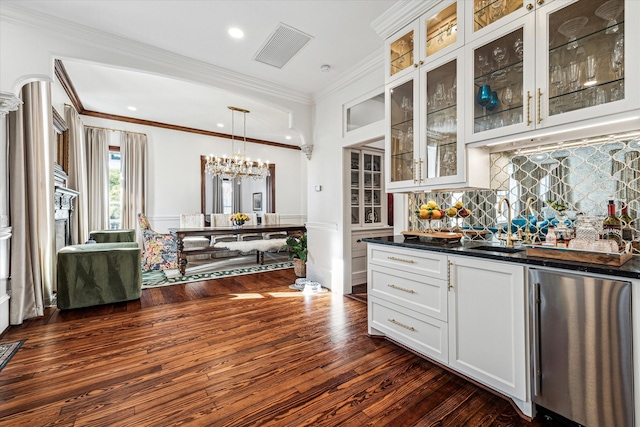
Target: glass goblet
[493, 101]
[484, 95]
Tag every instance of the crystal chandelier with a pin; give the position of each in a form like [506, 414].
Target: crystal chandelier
[238, 165]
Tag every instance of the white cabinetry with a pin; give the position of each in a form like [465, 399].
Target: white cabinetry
[550, 65]
[464, 312]
[487, 339]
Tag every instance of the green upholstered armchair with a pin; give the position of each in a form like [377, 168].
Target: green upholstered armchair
[99, 273]
[114, 236]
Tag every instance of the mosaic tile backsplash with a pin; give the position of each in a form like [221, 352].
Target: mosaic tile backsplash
[583, 175]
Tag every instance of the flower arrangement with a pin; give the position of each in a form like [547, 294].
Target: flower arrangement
[239, 217]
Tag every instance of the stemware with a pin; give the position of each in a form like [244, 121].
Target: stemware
[406, 106]
[440, 94]
[493, 101]
[496, 10]
[484, 95]
[501, 56]
[571, 28]
[518, 48]
[574, 79]
[609, 11]
[507, 96]
[591, 70]
[617, 59]
[482, 63]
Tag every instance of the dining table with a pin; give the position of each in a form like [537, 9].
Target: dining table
[295, 230]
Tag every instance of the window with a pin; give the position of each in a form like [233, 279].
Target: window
[227, 197]
[115, 190]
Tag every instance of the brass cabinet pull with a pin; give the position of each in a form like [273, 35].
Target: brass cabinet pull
[529, 6]
[539, 102]
[409, 291]
[415, 65]
[420, 170]
[540, 2]
[394, 321]
[415, 171]
[421, 62]
[408, 261]
[528, 108]
[449, 285]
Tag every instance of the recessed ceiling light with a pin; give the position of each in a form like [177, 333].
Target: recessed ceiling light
[131, 108]
[287, 137]
[220, 125]
[236, 33]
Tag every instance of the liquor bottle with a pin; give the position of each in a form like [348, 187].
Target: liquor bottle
[612, 226]
[627, 224]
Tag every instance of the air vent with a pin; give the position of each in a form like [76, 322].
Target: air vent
[283, 44]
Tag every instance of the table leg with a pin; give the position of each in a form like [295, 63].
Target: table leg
[182, 256]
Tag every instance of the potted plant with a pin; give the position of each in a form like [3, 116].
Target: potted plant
[298, 253]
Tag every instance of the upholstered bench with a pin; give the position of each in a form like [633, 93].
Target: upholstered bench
[260, 246]
[100, 273]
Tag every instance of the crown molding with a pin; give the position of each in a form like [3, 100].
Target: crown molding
[184, 67]
[400, 15]
[371, 64]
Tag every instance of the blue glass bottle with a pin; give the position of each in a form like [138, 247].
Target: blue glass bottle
[484, 95]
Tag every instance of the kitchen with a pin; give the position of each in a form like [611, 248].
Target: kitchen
[499, 140]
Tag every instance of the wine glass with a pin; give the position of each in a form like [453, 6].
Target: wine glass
[493, 101]
[500, 55]
[406, 106]
[482, 62]
[609, 11]
[484, 95]
[518, 48]
[571, 28]
[574, 79]
[617, 59]
[439, 94]
[507, 96]
[496, 10]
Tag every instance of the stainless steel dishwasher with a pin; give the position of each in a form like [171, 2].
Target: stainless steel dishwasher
[581, 348]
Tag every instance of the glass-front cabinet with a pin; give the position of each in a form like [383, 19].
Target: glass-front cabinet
[367, 188]
[402, 149]
[486, 13]
[435, 33]
[558, 64]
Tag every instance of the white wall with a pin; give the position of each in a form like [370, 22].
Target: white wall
[326, 213]
[174, 172]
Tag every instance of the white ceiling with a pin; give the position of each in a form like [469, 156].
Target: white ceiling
[341, 31]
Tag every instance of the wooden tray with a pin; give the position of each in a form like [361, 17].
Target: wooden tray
[442, 236]
[578, 255]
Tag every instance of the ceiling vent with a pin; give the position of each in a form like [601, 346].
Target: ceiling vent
[283, 44]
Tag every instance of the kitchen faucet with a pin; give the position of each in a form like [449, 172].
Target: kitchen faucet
[527, 234]
[509, 239]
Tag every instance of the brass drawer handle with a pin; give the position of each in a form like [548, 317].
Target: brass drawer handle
[402, 325]
[408, 261]
[528, 108]
[409, 291]
[539, 102]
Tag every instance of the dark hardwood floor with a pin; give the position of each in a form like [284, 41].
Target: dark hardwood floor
[237, 351]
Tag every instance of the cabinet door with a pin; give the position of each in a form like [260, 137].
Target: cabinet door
[401, 140]
[583, 55]
[356, 197]
[401, 51]
[484, 16]
[442, 153]
[442, 30]
[487, 336]
[501, 81]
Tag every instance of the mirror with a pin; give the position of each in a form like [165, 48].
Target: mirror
[62, 141]
[250, 187]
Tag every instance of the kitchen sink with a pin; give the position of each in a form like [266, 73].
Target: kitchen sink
[497, 249]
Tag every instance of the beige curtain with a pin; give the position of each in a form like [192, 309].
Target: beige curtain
[133, 151]
[31, 154]
[97, 155]
[77, 176]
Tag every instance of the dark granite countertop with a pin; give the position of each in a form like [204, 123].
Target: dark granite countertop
[630, 269]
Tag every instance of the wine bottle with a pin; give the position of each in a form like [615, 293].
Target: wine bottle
[612, 226]
[627, 224]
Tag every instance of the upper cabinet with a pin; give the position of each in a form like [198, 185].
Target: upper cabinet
[435, 33]
[368, 201]
[487, 15]
[549, 63]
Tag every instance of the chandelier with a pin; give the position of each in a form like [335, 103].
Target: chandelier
[238, 165]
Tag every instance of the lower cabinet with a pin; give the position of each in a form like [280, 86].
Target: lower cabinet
[469, 315]
[487, 339]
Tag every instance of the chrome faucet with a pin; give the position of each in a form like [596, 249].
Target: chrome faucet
[509, 239]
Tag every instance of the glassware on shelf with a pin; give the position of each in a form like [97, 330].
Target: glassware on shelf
[484, 95]
[493, 101]
[591, 70]
[406, 106]
[501, 56]
[507, 96]
[496, 10]
[558, 79]
[609, 11]
[574, 80]
[483, 63]
[571, 28]
[518, 48]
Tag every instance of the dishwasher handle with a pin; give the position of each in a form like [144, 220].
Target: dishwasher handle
[534, 306]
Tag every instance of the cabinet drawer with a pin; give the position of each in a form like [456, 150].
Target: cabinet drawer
[421, 333]
[412, 260]
[425, 295]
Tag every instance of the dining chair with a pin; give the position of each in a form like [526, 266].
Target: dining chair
[160, 250]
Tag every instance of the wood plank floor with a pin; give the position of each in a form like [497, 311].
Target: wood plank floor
[236, 351]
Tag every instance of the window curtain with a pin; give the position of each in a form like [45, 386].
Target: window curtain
[31, 186]
[97, 155]
[217, 196]
[77, 176]
[237, 194]
[269, 181]
[133, 161]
